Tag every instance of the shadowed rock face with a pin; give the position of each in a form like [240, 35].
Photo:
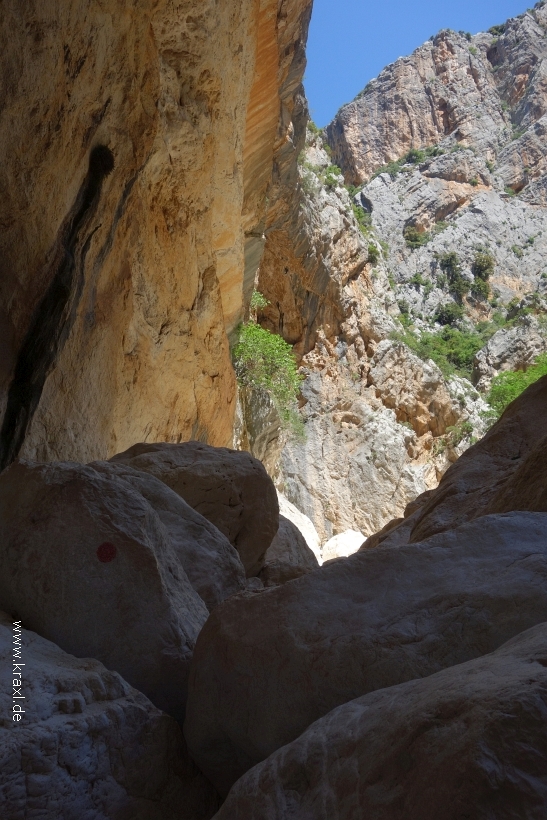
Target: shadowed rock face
[86, 562]
[470, 741]
[288, 555]
[211, 563]
[115, 303]
[89, 745]
[266, 666]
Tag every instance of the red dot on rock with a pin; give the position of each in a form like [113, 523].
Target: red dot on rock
[106, 552]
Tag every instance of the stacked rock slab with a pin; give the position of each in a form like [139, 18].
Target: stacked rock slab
[209, 560]
[88, 745]
[288, 555]
[229, 488]
[266, 666]
[470, 741]
[87, 563]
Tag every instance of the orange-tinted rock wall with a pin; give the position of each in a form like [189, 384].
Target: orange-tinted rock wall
[116, 291]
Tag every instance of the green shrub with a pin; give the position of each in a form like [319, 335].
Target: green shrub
[364, 219]
[415, 156]
[518, 131]
[448, 314]
[308, 181]
[385, 248]
[483, 265]
[313, 127]
[509, 191]
[451, 266]
[264, 361]
[474, 182]
[418, 281]
[373, 253]
[352, 190]
[415, 239]
[480, 289]
[331, 176]
[519, 253]
[258, 301]
[506, 387]
[452, 350]
[458, 432]
[440, 226]
[497, 31]
[392, 168]
[473, 51]
[490, 165]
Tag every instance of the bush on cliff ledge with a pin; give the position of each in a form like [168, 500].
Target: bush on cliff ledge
[508, 386]
[264, 361]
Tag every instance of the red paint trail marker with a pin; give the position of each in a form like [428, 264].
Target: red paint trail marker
[106, 552]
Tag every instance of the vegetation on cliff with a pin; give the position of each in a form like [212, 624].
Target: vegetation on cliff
[264, 361]
[506, 387]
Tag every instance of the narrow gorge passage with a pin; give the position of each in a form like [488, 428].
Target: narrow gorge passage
[273, 416]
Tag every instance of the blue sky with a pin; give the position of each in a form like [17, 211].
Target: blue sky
[350, 41]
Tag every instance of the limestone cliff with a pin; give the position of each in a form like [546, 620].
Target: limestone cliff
[138, 147]
[459, 124]
[477, 89]
[376, 416]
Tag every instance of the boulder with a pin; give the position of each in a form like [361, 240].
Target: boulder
[86, 562]
[475, 483]
[230, 488]
[87, 745]
[266, 666]
[470, 741]
[343, 544]
[304, 524]
[288, 555]
[211, 563]
[526, 488]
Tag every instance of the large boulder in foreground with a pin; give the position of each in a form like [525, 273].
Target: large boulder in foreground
[86, 562]
[87, 744]
[469, 742]
[228, 487]
[288, 556]
[267, 666]
[211, 563]
[480, 481]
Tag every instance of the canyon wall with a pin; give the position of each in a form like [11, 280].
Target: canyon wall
[355, 276]
[138, 148]
[476, 88]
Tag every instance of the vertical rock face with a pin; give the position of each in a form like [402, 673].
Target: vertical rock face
[374, 412]
[359, 279]
[118, 284]
[440, 89]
